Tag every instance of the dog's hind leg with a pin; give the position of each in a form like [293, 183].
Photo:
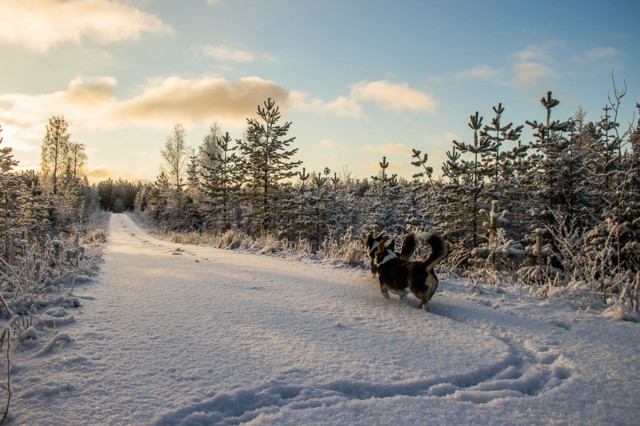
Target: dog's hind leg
[385, 291]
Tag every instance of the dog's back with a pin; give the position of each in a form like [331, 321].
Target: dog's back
[372, 242]
[399, 275]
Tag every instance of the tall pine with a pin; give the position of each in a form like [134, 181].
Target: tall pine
[266, 161]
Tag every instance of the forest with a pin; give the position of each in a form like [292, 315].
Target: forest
[559, 211]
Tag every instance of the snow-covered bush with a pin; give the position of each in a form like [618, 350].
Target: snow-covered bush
[592, 258]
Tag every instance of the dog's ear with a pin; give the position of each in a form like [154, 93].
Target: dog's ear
[392, 244]
[369, 240]
[381, 247]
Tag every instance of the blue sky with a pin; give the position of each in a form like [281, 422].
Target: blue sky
[358, 79]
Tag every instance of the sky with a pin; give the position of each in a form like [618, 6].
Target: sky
[358, 79]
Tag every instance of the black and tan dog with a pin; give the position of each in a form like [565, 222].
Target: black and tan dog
[371, 246]
[400, 276]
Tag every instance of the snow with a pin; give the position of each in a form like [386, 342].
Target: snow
[174, 334]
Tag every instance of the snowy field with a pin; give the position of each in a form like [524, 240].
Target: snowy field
[174, 334]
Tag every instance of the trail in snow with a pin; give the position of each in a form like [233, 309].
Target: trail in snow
[174, 334]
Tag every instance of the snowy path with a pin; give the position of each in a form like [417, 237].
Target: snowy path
[172, 334]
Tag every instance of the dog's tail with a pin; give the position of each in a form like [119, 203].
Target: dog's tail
[439, 249]
[408, 246]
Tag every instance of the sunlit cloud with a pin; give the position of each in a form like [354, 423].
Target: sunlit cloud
[392, 96]
[40, 25]
[481, 72]
[199, 100]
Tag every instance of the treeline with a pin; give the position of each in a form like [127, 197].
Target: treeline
[562, 208]
[36, 207]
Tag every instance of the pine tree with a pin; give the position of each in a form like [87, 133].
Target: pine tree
[427, 173]
[467, 178]
[379, 208]
[497, 134]
[266, 160]
[550, 145]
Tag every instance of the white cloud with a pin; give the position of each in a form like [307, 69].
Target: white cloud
[226, 54]
[595, 54]
[530, 73]
[386, 95]
[395, 97]
[340, 107]
[481, 72]
[40, 25]
[601, 52]
[538, 52]
[534, 64]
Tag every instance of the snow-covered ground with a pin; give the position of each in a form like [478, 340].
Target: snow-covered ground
[173, 334]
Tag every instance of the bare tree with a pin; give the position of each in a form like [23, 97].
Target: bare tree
[55, 146]
[175, 155]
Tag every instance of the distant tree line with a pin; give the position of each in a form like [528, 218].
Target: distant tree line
[563, 206]
[117, 196]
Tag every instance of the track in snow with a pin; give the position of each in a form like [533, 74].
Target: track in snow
[175, 334]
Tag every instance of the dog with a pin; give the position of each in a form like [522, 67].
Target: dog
[371, 246]
[400, 276]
